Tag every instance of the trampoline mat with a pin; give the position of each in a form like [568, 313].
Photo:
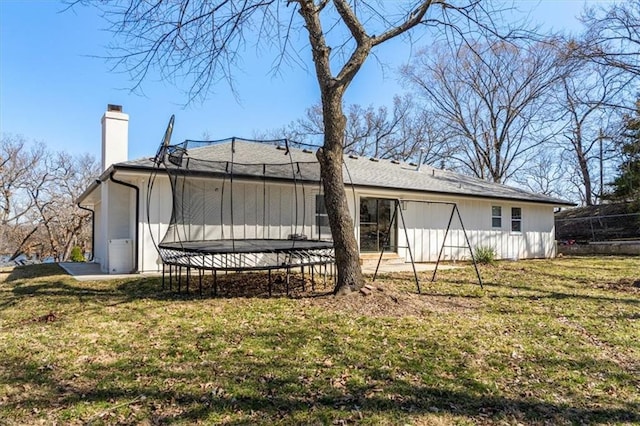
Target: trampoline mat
[246, 246]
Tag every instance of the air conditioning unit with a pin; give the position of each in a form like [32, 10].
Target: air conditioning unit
[121, 256]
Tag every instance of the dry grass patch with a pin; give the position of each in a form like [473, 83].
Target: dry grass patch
[546, 342]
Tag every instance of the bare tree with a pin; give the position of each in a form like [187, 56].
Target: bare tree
[199, 43]
[588, 99]
[491, 99]
[62, 221]
[612, 36]
[404, 133]
[18, 163]
[399, 135]
[38, 189]
[545, 173]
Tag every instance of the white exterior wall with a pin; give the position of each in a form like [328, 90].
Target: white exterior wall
[260, 211]
[99, 255]
[115, 219]
[426, 225]
[263, 211]
[159, 214]
[275, 217]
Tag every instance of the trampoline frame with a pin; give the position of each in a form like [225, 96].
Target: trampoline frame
[247, 256]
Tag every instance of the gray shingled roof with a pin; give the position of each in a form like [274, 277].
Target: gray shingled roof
[253, 159]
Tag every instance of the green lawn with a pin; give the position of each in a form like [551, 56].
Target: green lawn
[545, 342]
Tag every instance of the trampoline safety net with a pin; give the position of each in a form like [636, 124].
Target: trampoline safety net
[242, 205]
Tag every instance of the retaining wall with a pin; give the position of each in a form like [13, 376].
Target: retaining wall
[602, 247]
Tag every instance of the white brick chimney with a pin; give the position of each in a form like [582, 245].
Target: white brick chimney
[115, 136]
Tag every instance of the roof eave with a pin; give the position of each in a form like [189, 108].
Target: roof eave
[95, 184]
[551, 201]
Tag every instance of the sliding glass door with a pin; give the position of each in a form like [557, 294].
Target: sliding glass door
[375, 216]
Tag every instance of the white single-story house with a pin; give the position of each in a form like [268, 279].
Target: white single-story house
[133, 201]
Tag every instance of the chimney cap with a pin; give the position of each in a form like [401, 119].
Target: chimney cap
[114, 108]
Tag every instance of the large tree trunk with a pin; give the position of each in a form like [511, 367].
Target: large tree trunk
[586, 179]
[583, 163]
[332, 88]
[342, 226]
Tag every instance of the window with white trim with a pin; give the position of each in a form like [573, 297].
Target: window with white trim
[516, 219]
[496, 216]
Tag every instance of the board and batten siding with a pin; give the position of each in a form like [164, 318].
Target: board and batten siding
[260, 211]
[159, 216]
[220, 209]
[277, 210]
[426, 225]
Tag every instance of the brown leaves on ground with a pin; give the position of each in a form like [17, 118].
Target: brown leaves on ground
[50, 317]
[383, 298]
[624, 284]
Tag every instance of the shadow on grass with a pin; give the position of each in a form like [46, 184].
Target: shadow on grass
[52, 282]
[271, 401]
[60, 288]
[56, 290]
[273, 387]
[43, 270]
[534, 293]
[410, 399]
[540, 293]
[232, 285]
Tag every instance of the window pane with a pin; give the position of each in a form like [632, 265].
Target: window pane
[322, 219]
[320, 208]
[369, 238]
[516, 213]
[496, 216]
[368, 210]
[376, 226]
[516, 226]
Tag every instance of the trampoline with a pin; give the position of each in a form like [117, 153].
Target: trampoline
[246, 246]
[241, 205]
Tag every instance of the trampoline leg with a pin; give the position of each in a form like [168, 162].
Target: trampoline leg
[313, 282]
[200, 273]
[215, 283]
[269, 275]
[163, 276]
[188, 276]
[324, 277]
[179, 279]
[304, 286]
[173, 271]
[287, 280]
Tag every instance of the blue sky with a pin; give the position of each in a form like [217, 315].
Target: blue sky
[54, 86]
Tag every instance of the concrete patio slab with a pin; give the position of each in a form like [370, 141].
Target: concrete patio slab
[403, 267]
[88, 271]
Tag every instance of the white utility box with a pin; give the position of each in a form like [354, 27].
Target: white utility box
[120, 256]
